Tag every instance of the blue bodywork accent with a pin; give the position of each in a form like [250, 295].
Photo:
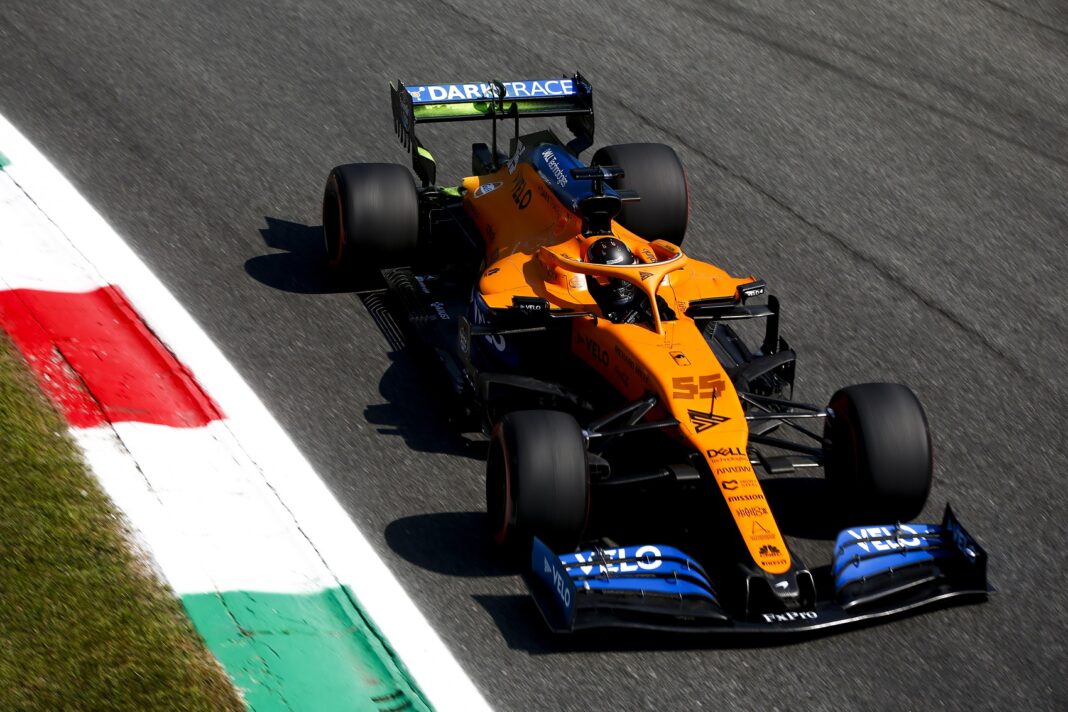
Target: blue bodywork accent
[554, 163]
[651, 569]
[964, 542]
[481, 91]
[496, 349]
[648, 586]
[879, 570]
[864, 552]
[546, 565]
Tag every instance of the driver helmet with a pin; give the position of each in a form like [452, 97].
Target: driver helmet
[611, 251]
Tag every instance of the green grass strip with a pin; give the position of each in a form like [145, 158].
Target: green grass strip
[4, 161]
[83, 624]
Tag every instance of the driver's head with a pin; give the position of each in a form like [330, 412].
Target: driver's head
[610, 251]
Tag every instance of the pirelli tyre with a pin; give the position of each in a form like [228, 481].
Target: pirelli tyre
[656, 173]
[877, 452]
[370, 219]
[537, 481]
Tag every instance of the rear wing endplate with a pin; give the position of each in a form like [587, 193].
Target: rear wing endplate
[493, 101]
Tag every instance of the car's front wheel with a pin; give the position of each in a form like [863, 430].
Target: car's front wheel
[877, 452]
[537, 481]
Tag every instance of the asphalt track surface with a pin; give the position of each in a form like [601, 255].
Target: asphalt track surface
[897, 171]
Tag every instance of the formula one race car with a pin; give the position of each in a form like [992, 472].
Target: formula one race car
[609, 370]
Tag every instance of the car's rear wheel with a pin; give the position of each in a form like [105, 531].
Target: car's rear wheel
[877, 453]
[656, 173]
[370, 219]
[537, 481]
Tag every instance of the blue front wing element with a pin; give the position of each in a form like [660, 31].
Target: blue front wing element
[873, 562]
[653, 580]
[546, 565]
[877, 571]
[653, 569]
[863, 552]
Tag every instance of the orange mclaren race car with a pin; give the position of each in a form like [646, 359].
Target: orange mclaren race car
[630, 424]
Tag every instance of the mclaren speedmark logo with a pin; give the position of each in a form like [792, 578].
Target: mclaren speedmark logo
[703, 421]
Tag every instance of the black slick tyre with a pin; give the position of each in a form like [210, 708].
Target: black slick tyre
[878, 457]
[370, 218]
[656, 173]
[537, 481]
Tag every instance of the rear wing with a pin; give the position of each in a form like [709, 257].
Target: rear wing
[493, 101]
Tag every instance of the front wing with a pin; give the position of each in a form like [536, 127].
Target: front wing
[877, 571]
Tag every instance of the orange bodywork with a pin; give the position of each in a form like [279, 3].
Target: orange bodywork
[535, 248]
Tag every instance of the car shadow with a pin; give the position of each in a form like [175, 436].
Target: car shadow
[298, 266]
[417, 406]
[419, 410]
[444, 542]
